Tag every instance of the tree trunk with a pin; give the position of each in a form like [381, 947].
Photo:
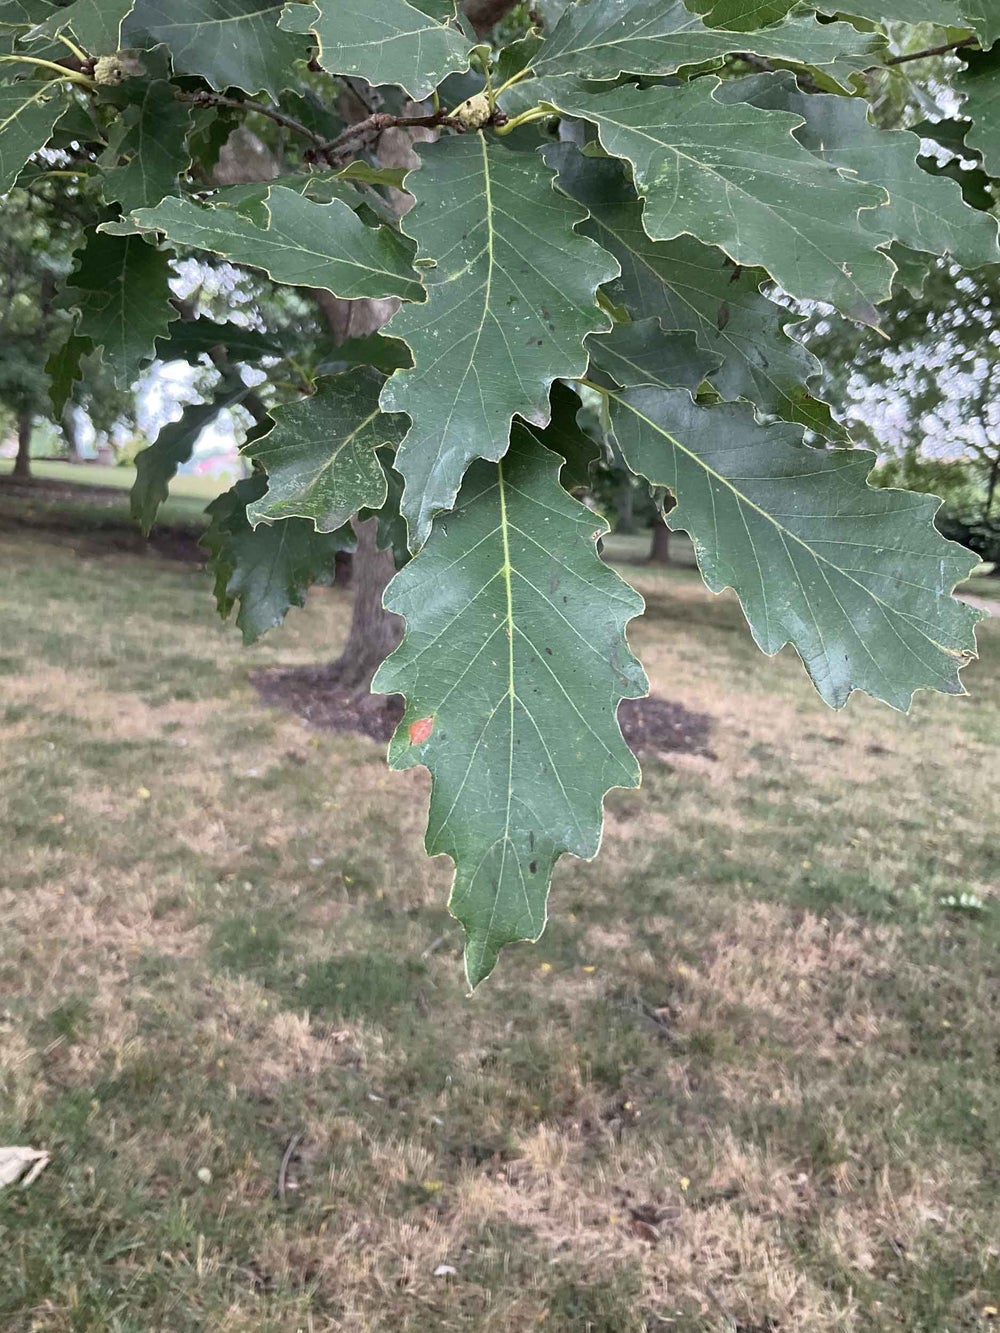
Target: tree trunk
[626, 507]
[486, 14]
[68, 424]
[375, 632]
[22, 464]
[659, 551]
[992, 487]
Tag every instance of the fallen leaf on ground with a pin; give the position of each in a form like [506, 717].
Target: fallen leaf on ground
[21, 1164]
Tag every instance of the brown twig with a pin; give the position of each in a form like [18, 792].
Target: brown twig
[293, 1143]
[341, 146]
[765, 66]
[333, 151]
[205, 98]
[942, 50]
[219, 356]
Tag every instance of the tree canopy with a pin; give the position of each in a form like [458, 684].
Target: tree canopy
[614, 203]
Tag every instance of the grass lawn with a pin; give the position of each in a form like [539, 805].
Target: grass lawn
[121, 478]
[97, 509]
[748, 1082]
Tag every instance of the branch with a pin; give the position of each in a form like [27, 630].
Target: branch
[219, 356]
[806, 83]
[341, 147]
[486, 14]
[205, 98]
[334, 151]
[932, 51]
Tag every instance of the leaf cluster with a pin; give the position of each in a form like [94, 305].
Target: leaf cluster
[614, 204]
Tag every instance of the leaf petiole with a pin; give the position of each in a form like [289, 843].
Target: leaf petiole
[516, 78]
[70, 74]
[484, 61]
[72, 47]
[525, 118]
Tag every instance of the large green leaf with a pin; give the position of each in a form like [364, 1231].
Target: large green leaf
[383, 43]
[688, 285]
[96, 25]
[321, 456]
[252, 198]
[984, 15]
[513, 666]
[644, 353]
[511, 297]
[28, 115]
[305, 244]
[747, 15]
[156, 467]
[23, 13]
[153, 143]
[230, 43]
[600, 39]
[269, 569]
[924, 212]
[121, 287]
[857, 579]
[980, 83]
[943, 12]
[64, 370]
[191, 339]
[733, 176]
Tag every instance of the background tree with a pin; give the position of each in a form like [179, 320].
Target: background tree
[613, 199]
[34, 255]
[925, 392]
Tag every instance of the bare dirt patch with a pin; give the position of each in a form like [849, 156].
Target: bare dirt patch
[650, 726]
[314, 694]
[660, 726]
[108, 536]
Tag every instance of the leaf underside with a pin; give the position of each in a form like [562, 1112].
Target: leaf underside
[321, 456]
[303, 244]
[687, 285]
[513, 666]
[749, 14]
[734, 176]
[510, 301]
[858, 579]
[388, 42]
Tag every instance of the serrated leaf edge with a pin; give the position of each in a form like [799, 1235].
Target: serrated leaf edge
[865, 457]
[476, 976]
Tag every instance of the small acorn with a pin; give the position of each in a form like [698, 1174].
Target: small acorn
[110, 71]
[474, 113]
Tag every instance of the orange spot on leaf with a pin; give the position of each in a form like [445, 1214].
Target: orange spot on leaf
[420, 730]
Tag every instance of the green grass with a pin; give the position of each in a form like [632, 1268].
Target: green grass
[121, 478]
[748, 1080]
